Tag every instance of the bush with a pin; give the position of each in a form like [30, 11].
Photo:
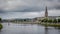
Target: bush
[0, 19]
[58, 20]
[55, 21]
[1, 26]
[50, 20]
[44, 20]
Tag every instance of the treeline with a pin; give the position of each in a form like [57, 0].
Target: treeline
[21, 20]
[1, 26]
[50, 20]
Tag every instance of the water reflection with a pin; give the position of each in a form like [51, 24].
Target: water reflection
[46, 30]
[57, 28]
[54, 30]
[8, 23]
[28, 29]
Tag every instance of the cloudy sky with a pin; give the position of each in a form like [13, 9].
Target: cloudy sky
[28, 8]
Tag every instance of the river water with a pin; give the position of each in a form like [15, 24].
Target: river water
[13, 28]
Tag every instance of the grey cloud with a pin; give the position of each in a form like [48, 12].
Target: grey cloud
[1, 12]
[32, 3]
[58, 0]
[19, 15]
[26, 8]
[57, 7]
[52, 4]
[50, 0]
[30, 9]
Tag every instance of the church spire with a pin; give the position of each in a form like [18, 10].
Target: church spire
[46, 12]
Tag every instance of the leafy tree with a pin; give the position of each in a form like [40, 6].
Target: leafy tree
[1, 26]
[25, 20]
[55, 21]
[44, 20]
[58, 20]
[50, 20]
[0, 19]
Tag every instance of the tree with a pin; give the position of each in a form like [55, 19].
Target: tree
[58, 20]
[55, 21]
[0, 19]
[50, 20]
[44, 20]
[1, 26]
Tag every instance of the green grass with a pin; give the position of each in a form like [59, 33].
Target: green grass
[54, 25]
[1, 26]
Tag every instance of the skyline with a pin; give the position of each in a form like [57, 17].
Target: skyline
[28, 8]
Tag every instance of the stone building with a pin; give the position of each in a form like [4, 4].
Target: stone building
[46, 12]
[46, 16]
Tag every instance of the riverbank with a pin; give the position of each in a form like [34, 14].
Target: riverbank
[1, 26]
[26, 22]
[41, 23]
[51, 24]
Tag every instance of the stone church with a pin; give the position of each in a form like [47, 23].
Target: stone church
[46, 15]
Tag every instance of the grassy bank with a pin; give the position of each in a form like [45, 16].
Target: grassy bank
[51, 24]
[1, 26]
[26, 22]
[42, 23]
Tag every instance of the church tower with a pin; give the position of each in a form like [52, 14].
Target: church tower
[46, 12]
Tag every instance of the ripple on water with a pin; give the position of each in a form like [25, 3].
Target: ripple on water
[27, 29]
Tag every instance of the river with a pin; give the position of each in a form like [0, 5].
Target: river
[14, 28]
